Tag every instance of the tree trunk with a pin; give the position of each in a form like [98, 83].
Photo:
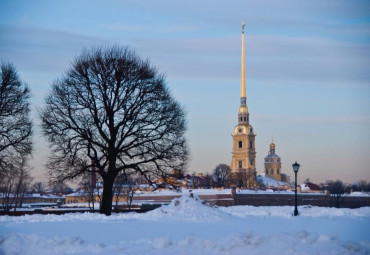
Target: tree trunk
[106, 205]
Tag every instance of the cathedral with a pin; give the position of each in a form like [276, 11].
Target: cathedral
[243, 163]
[273, 164]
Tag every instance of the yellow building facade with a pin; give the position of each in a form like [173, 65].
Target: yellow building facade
[243, 163]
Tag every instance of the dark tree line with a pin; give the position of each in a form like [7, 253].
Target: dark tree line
[338, 189]
[113, 109]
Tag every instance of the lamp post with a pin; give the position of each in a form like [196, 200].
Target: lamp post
[295, 169]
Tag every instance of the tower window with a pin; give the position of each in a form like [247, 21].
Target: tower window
[272, 171]
[277, 171]
[251, 144]
[240, 144]
[240, 164]
[267, 171]
[241, 118]
[248, 118]
[245, 119]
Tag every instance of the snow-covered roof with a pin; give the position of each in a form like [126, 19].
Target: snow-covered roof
[270, 182]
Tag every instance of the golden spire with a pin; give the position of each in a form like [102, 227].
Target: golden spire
[243, 91]
[243, 109]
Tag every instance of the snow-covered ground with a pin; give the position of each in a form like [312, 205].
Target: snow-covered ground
[186, 226]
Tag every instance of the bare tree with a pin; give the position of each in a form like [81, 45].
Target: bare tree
[89, 190]
[113, 109]
[38, 187]
[124, 187]
[24, 182]
[336, 189]
[15, 183]
[362, 185]
[60, 188]
[7, 186]
[118, 187]
[221, 174]
[15, 124]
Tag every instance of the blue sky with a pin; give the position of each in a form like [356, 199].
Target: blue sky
[307, 69]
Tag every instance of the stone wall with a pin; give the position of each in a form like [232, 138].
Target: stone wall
[272, 199]
[303, 199]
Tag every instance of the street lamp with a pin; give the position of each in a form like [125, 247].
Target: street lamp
[295, 169]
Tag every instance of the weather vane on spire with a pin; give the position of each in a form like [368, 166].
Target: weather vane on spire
[243, 25]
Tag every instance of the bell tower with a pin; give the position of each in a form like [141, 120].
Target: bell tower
[243, 165]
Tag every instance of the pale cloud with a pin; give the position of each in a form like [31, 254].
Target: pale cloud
[269, 58]
[314, 120]
[42, 50]
[122, 27]
[24, 19]
[126, 27]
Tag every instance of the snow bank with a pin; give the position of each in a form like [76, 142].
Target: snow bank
[244, 211]
[194, 209]
[245, 243]
[189, 208]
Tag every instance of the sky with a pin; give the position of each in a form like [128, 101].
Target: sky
[307, 71]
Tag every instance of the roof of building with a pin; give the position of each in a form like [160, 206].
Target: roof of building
[272, 155]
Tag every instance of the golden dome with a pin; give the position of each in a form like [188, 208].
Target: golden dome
[243, 109]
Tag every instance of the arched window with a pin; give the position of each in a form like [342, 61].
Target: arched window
[240, 144]
[240, 164]
[245, 119]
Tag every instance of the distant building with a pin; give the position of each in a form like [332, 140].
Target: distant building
[310, 187]
[273, 165]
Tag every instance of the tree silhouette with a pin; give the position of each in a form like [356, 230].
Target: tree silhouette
[113, 109]
[15, 124]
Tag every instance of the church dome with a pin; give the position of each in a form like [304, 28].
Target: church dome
[272, 157]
